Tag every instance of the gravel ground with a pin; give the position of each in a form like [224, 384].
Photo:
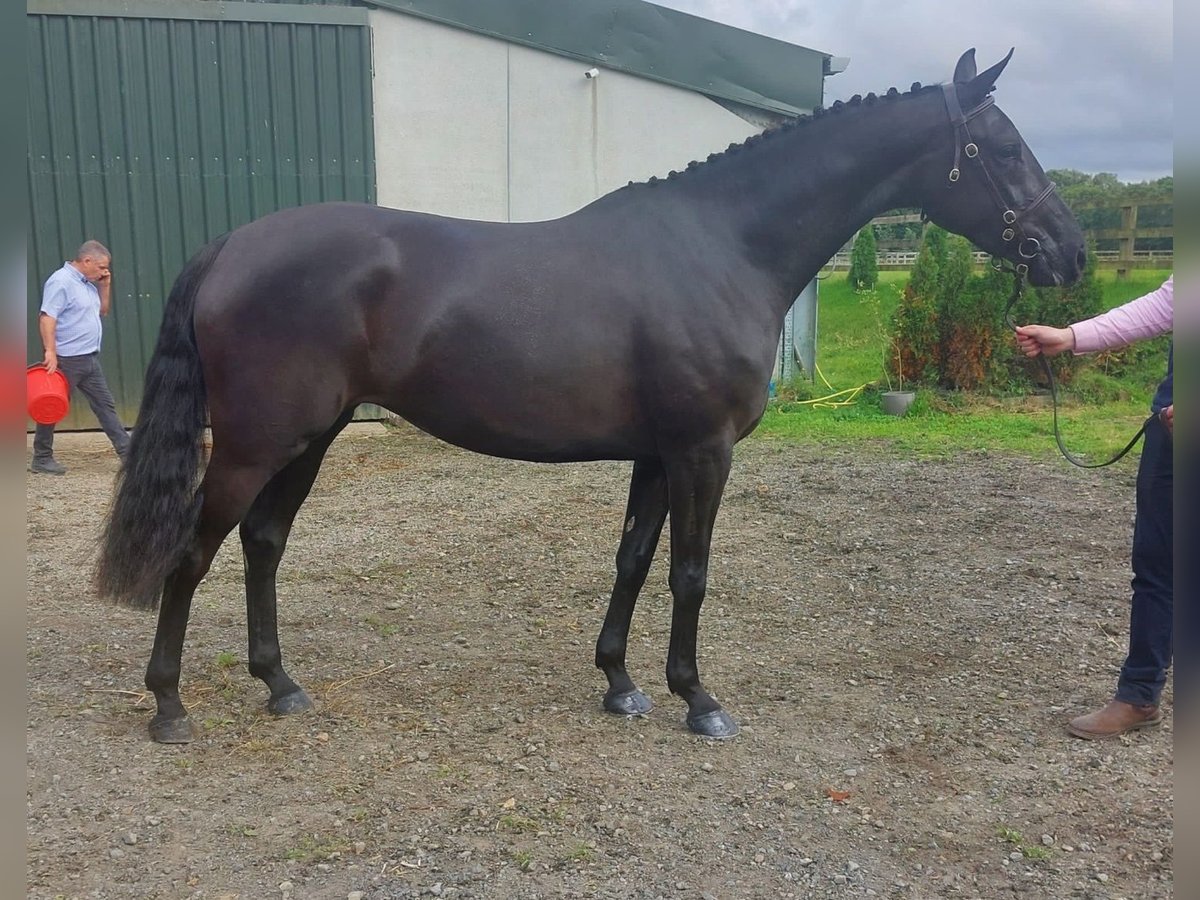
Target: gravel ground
[901, 641]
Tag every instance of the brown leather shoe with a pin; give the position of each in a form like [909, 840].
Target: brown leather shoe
[1117, 717]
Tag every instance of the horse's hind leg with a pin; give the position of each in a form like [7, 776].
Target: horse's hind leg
[644, 516]
[264, 533]
[227, 493]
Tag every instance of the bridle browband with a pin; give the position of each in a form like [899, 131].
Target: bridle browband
[1027, 247]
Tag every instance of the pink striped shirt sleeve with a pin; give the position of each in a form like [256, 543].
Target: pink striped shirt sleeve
[1147, 316]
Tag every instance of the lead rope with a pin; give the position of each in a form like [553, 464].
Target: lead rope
[1018, 285]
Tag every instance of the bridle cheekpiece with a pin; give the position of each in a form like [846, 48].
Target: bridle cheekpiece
[1027, 247]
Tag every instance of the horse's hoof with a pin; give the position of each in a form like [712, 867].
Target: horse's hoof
[628, 703]
[717, 724]
[289, 704]
[171, 731]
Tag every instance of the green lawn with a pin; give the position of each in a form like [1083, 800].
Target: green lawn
[852, 336]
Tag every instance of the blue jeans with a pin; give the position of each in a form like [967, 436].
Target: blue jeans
[83, 374]
[1152, 614]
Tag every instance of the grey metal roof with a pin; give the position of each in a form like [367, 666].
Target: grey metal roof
[631, 36]
[646, 40]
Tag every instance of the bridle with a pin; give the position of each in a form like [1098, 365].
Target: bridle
[1027, 247]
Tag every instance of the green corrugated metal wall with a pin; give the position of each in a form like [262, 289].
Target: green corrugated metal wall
[155, 126]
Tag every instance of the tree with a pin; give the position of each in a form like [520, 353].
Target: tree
[936, 237]
[949, 326]
[955, 272]
[864, 268]
[958, 302]
[915, 352]
[977, 339]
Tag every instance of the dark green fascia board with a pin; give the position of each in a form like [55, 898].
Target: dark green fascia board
[209, 10]
[646, 40]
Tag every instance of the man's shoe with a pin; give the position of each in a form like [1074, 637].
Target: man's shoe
[1117, 717]
[47, 467]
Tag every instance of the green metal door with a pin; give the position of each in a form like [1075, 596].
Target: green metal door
[156, 125]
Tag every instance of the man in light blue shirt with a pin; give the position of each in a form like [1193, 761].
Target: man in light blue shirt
[73, 300]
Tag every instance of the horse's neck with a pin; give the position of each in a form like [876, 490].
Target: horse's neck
[795, 197]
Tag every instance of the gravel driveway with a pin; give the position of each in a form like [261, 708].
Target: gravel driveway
[900, 639]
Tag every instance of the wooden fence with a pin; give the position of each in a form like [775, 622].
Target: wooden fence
[901, 254]
[1106, 259]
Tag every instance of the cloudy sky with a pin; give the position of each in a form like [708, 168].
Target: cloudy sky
[1090, 84]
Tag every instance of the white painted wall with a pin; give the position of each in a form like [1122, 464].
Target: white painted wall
[472, 126]
[441, 118]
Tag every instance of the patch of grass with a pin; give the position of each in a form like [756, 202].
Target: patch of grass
[517, 823]
[580, 853]
[937, 428]
[853, 330]
[1034, 852]
[261, 747]
[796, 390]
[382, 628]
[1138, 282]
[225, 660]
[523, 859]
[311, 849]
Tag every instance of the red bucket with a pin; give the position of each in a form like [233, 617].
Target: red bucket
[47, 395]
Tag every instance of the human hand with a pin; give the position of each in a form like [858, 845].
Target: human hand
[1167, 417]
[50, 361]
[1044, 339]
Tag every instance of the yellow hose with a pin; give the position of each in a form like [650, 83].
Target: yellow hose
[829, 401]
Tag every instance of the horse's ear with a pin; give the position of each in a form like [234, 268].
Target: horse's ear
[987, 80]
[979, 86]
[965, 70]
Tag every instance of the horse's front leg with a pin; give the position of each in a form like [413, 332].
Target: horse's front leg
[644, 517]
[696, 481]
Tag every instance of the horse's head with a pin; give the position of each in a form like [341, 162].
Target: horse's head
[992, 189]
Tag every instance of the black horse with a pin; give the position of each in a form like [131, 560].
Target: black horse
[642, 327]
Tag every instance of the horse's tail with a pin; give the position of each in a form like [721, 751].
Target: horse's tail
[157, 505]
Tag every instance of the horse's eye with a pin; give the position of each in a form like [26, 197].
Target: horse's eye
[1010, 151]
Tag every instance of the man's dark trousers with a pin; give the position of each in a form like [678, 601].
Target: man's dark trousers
[84, 374]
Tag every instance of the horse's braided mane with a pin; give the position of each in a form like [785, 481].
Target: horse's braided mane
[791, 124]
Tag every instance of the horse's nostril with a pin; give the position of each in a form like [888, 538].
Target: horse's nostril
[1081, 259]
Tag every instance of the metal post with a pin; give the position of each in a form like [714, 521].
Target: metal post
[798, 339]
[804, 329]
